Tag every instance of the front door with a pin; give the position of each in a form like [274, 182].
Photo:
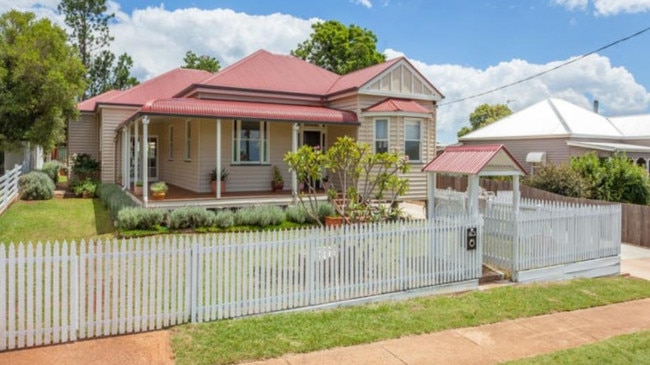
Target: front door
[152, 159]
[312, 138]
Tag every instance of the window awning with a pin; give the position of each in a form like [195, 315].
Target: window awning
[536, 157]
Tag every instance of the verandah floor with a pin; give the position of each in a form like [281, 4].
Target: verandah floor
[177, 196]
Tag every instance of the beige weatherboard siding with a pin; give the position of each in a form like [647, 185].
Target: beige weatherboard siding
[83, 134]
[111, 117]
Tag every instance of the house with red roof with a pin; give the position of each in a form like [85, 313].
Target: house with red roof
[182, 125]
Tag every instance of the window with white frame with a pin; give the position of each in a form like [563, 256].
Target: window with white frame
[171, 142]
[381, 135]
[188, 140]
[413, 140]
[250, 142]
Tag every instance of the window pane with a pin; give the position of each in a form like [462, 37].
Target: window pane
[412, 150]
[381, 146]
[381, 129]
[249, 151]
[412, 130]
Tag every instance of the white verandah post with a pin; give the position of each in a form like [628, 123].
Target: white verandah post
[294, 149]
[136, 153]
[145, 155]
[218, 165]
[127, 176]
[124, 159]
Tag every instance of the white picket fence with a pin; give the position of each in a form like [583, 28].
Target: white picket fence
[9, 187]
[58, 292]
[545, 234]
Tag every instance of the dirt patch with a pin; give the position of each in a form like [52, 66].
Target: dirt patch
[144, 348]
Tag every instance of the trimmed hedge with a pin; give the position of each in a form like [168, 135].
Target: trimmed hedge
[51, 168]
[139, 218]
[191, 217]
[36, 185]
[269, 215]
[224, 219]
[114, 198]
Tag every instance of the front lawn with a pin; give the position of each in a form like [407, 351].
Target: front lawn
[268, 336]
[629, 349]
[55, 219]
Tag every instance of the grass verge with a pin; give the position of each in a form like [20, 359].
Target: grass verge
[54, 219]
[255, 338]
[629, 349]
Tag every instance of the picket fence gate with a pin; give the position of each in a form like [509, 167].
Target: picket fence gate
[9, 187]
[59, 292]
[544, 234]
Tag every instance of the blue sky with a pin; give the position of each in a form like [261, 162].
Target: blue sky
[463, 46]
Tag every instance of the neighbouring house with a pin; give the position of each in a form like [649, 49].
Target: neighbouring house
[184, 124]
[553, 130]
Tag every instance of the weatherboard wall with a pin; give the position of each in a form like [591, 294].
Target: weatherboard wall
[83, 135]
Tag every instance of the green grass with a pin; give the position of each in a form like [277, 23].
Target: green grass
[255, 338]
[55, 219]
[629, 349]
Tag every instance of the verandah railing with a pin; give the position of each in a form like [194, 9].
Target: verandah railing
[58, 292]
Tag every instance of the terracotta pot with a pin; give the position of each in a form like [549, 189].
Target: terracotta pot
[158, 195]
[276, 186]
[213, 187]
[333, 221]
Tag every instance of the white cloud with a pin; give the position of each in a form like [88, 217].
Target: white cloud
[157, 39]
[613, 7]
[572, 4]
[607, 7]
[591, 78]
[365, 3]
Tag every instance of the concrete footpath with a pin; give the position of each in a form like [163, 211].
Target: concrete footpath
[488, 344]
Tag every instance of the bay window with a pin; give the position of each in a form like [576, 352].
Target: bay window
[413, 140]
[381, 135]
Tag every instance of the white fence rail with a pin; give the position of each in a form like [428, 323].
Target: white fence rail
[545, 234]
[9, 187]
[53, 293]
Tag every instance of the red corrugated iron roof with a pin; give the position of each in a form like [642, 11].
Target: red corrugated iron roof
[468, 160]
[88, 105]
[163, 86]
[281, 73]
[398, 105]
[247, 110]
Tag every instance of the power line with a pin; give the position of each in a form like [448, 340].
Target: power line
[548, 70]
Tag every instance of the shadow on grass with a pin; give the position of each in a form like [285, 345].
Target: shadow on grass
[103, 222]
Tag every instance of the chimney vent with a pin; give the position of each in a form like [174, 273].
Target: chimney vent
[596, 106]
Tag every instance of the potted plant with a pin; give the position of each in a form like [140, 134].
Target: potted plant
[277, 181]
[223, 176]
[159, 190]
[137, 188]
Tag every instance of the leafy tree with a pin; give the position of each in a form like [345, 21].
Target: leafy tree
[41, 79]
[616, 178]
[559, 179]
[340, 49]
[104, 76]
[88, 22]
[483, 115]
[355, 173]
[202, 62]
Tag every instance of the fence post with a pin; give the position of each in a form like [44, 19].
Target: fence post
[515, 245]
[194, 278]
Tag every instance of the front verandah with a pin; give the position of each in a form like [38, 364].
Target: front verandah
[188, 150]
[178, 197]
